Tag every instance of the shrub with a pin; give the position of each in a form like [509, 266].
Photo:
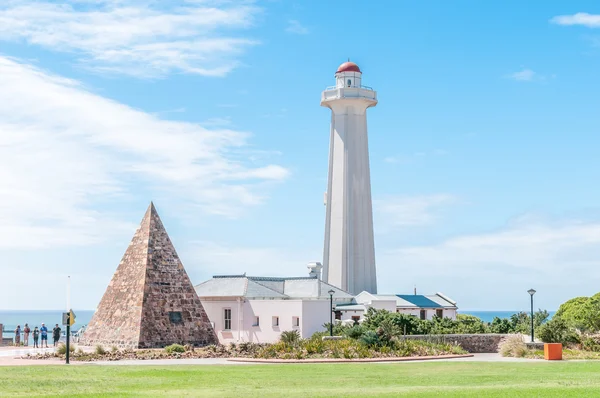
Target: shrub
[590, 344]
[114, 349]
[557, 331]
[501, 325]
[513, 346]
[100, 350]
[355, 332]
[370, 339]
[469, 324]
[290, 337]
[173, 348]
[62, 349]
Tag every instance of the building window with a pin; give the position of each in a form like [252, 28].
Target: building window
[349, 82]
[275, 321]
[423, 314]
[227, 318]
[296, 321]
[175, 317]
[439, 313]
[256, 321]
[338, 315]
[356, 319]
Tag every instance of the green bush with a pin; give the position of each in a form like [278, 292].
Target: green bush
[290, 337]
[557, 330]
[501, 325]
[173, 348]
[355, 332]
[370, 339]
[100, 350]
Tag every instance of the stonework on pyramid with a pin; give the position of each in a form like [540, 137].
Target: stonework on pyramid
[150, 301]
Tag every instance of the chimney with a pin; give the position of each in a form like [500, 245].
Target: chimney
[415, 290]
[315, 270]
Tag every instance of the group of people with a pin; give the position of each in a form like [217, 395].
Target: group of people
[36, 334]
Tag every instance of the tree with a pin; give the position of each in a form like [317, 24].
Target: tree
[469, 324]
[501, 325]
[582, 313]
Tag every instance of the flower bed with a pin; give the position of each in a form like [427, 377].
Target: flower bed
[314, 348]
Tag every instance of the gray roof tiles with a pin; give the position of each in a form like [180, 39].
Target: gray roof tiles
[265, 287]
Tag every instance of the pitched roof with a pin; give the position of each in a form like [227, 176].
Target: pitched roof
[419, 300]
[269, 287]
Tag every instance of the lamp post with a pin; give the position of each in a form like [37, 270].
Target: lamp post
[331, 312]
[531, 293]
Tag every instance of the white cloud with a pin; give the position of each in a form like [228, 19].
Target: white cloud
[527, 244]
[65, 151]
[138, 38]
[296, 27]
[580, 18]
[525, 75]
[408, 211]
[207, 258]
[494, 270]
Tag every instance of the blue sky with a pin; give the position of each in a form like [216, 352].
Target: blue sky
[483, 145]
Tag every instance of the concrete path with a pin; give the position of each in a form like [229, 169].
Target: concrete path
[12, 352]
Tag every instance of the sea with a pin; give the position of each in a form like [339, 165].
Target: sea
[10, 319]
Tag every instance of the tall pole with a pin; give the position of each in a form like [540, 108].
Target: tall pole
[330, 314]
[68, 318]
[532, 318]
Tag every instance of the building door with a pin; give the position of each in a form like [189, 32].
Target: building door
[423, 314]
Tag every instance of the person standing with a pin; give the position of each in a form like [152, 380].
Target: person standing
[36, 337]
[44, 333]
[26, 332]
[56, 334]
[18, 336]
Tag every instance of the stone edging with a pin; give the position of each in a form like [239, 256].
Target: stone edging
[344, 360]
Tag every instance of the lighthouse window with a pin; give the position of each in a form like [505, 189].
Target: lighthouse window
[349, 82]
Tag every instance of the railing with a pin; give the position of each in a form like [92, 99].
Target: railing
[348, 92]
[336, 87]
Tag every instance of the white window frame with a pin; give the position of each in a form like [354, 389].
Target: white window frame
[296, 321]
[256, 321]
[225, 318]
[275, 321]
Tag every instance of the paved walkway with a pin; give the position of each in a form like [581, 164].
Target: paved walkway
[12, 352]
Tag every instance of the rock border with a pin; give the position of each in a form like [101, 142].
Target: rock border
[354, 360]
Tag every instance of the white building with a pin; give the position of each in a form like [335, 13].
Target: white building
[349, 249]
[257, 309]
[420, 306]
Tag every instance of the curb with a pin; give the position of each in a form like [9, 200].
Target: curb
[356, 360]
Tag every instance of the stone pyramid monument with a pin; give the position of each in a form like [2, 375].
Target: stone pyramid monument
[150, 301]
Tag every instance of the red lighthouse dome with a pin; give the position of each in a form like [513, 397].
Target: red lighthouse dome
[348, 67]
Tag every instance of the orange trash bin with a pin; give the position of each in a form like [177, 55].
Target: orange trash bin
[552, 351]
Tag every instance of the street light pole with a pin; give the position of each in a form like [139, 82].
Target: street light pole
[531, 293]
[331, 312]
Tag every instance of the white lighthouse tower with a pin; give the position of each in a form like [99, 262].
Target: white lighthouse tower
[349, 252]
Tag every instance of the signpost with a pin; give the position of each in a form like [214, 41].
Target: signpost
[68, 320]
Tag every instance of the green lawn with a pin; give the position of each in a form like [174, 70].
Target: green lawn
[447, 379]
